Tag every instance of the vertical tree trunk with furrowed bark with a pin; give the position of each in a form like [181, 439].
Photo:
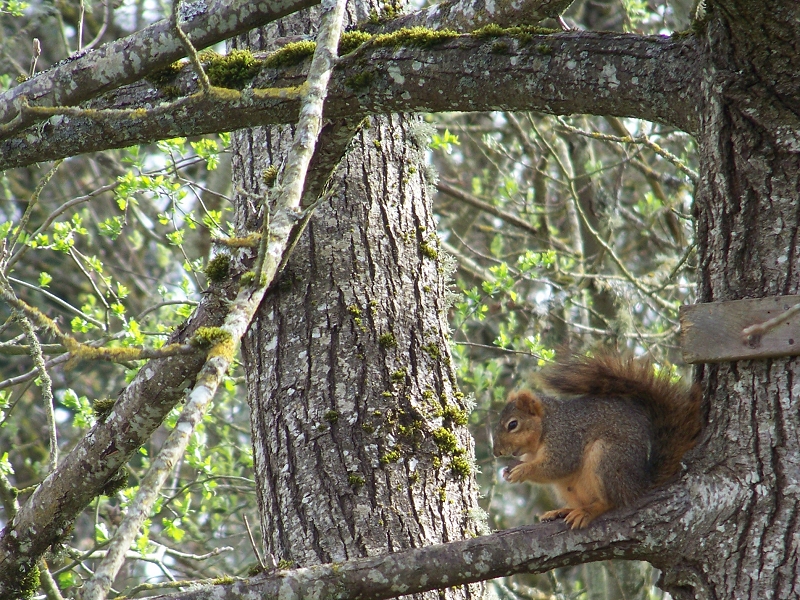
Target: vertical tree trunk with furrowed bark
[748, 209]
[358, 425]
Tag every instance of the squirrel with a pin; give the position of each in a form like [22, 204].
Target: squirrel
[613, 430]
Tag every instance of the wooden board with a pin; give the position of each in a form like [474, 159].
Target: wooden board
[712, 332]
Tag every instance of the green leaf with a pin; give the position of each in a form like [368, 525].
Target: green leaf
[15, 8]
[497, 245]
[444, 142]
[101, 532]
[133, 333]
[6, 468]
[84, 415]
[176, 237]
[80, 325]
[174, 145]
[111, 227]
[172, 529]
[207, 150]
[143, 540]
[118, 309]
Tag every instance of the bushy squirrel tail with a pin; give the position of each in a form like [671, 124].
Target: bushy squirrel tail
[674, 409]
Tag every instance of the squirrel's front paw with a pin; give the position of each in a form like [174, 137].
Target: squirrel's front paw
[514, 473]
[513, 464]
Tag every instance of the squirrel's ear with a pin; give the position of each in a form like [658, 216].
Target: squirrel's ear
[527, 401]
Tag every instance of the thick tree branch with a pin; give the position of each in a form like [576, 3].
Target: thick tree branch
[334, 138]
[83, 77]
[129, 59]
[532, 549]
[621, 75]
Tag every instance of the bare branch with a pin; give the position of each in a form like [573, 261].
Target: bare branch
[46, 385]
[532, 549]
[468, 15]
[644, 140]
[126, 60]
[189, 48]
[459, 194]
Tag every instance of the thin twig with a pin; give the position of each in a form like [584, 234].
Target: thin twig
[190, 49]
[260, 560]
[30, 375]
[44, 377]
[59, 301]
[37, 52]
[48, 583]
[29, 210]
[80, 24]
[54, 215]
[639, 139]
[104, 26]
[6, 350]
[759, 329]
[596, 234]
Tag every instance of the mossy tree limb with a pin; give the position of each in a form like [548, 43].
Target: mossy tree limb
[585, 72]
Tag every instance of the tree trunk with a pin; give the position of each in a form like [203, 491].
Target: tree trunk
[745, 476]
[358, 426]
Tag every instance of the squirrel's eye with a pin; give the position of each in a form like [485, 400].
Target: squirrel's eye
[512, 425]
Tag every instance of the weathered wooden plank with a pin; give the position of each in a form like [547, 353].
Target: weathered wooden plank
[713, 332]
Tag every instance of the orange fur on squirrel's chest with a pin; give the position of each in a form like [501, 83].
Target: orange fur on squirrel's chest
[580, 488]
[584, 487]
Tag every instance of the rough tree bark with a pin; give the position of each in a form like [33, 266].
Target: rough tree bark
[748, 214]
[358, 425]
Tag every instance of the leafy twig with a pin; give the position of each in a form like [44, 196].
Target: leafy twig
[242, 308]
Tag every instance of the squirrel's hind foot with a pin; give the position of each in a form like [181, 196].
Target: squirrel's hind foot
[576, 518]
[552, 515]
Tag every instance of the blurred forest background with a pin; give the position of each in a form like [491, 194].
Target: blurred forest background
[567, 233]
